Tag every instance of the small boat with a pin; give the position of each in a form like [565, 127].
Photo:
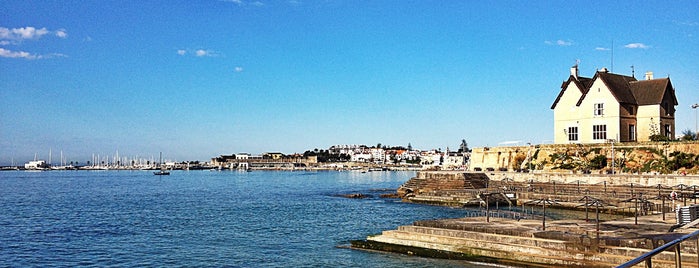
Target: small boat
[162, 171]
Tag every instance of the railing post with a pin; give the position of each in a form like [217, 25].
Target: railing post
[649, 263]
[697, 248]
[678, 256]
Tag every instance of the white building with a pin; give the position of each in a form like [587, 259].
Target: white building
[613, 106]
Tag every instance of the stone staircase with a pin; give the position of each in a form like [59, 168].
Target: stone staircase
[518, 244]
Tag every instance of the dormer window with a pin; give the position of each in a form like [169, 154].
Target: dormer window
[599, 109]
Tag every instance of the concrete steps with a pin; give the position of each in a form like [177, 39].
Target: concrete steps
[492, 248]
[523, 249]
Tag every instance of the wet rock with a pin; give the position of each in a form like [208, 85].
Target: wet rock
[355, 195]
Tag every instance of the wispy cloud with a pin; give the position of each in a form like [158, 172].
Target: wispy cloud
[637, 45]
[243, 3]
[62, 33]
[686, 23]
[238, 69]
[237, 2]
[197, 52]
[28, 33]
[559, 42]
[202, 53]
[6, 53]
[602, 49]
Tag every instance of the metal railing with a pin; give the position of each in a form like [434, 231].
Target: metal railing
[674, 244]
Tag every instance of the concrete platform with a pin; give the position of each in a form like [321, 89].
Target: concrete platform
[525, 243]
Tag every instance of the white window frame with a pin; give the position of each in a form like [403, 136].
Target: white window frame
[632, 132]
[573, 134]
[599, 132]
[599, 109]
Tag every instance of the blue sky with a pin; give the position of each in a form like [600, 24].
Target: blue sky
[196, 79]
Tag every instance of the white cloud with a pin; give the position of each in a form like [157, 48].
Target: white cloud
[563, 43]
[23, 33]
[686, 23]
[201, 53]
[197, 52]
[61, 33]
[53, 55]
[602, 49]
[5, 53]
[237, 2]
[238, 69]
[17, 35]
[559, 42]
[637, 45]
[243, 3]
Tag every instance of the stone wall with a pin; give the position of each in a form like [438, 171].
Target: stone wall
[610, 180]
[539, 157]
[427, 181]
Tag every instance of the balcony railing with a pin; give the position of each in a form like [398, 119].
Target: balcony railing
[674, 244]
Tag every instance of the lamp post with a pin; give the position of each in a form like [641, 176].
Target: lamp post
[612, 141]
[696, 126]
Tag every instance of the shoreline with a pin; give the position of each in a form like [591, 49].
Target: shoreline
[646, 204]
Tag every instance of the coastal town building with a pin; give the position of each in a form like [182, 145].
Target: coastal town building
[615, 107]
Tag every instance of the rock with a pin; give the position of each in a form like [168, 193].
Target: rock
[355, 195]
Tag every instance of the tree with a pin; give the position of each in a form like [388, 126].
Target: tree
[463, 148]
[688, 135]
[598, 162]
[410, 147]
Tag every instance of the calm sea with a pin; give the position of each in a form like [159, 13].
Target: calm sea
[202, 219]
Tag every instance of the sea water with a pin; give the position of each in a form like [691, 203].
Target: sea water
[203, 219]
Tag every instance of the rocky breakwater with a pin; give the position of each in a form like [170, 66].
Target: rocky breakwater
[526, 243]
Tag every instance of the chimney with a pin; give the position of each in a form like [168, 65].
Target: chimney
[649, 75]
[574, 71]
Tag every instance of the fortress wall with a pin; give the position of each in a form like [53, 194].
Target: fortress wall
[508, 157]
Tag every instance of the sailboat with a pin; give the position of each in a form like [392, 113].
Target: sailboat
[162, 171]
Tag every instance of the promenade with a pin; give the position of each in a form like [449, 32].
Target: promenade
[636, 215]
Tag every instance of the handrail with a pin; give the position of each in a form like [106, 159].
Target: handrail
[647, 256]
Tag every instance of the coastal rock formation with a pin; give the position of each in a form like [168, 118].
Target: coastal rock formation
[355, 195]
[645, 157]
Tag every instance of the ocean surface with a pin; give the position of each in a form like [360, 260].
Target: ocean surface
[203, 219]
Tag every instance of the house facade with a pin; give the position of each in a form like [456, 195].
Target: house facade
[611, 106]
